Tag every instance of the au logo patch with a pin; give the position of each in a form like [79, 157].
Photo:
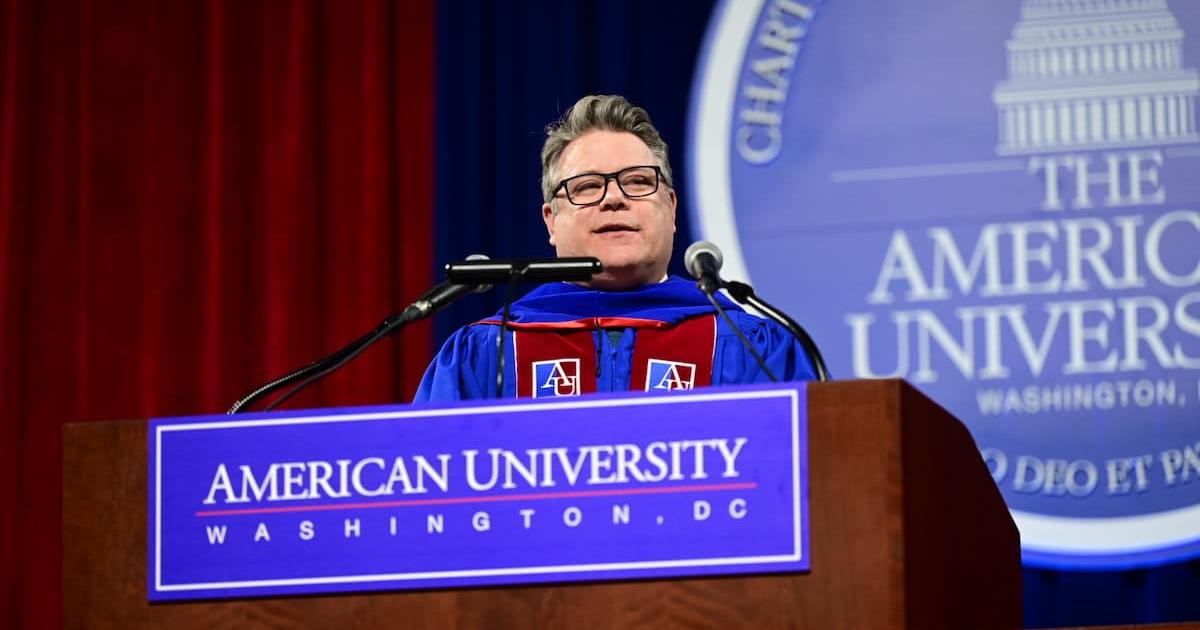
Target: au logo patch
[669, 375]
[557, 377]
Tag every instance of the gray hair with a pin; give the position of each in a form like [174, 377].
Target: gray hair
[603, 112]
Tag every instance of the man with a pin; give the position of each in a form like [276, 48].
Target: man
[608, 193]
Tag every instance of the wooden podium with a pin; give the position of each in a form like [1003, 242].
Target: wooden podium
[907, 531]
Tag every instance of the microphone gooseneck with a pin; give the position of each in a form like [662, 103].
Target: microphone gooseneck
[742, 338]
[703, 260]
[443, 294]
[505, 314]
[476, 273]
[431, 301]
[513, 272]
[744, 294]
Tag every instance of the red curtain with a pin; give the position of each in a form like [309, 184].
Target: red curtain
[195, 197]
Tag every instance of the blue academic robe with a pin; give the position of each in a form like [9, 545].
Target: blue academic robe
[465, 368]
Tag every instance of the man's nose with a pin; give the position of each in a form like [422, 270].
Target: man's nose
[614, 197]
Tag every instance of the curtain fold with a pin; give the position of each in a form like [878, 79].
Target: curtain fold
[195, 198]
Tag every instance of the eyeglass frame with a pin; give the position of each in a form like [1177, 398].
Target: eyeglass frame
[658, 180]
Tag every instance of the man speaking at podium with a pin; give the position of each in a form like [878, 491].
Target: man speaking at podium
[608, 193]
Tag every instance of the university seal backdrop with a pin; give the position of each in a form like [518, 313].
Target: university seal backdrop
[999, 202]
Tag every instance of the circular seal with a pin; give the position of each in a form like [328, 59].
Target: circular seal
[996, 202]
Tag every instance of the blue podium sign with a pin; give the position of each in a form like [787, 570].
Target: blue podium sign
[597, 488]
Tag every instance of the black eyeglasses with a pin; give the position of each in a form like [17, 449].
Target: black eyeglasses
[590, 188]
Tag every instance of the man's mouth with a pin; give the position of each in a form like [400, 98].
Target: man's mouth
[614, 227]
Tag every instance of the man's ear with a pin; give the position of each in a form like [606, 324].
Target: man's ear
[674, 202]
[548, 217]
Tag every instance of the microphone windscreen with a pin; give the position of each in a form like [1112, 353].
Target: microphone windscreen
[691, 258]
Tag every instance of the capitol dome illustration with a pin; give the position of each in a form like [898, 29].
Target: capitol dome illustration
[1095, 74]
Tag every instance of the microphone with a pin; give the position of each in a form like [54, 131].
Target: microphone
[703, 260]
[536, 270]
[443, 294]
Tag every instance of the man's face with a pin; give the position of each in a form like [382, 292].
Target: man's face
[632, 237]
